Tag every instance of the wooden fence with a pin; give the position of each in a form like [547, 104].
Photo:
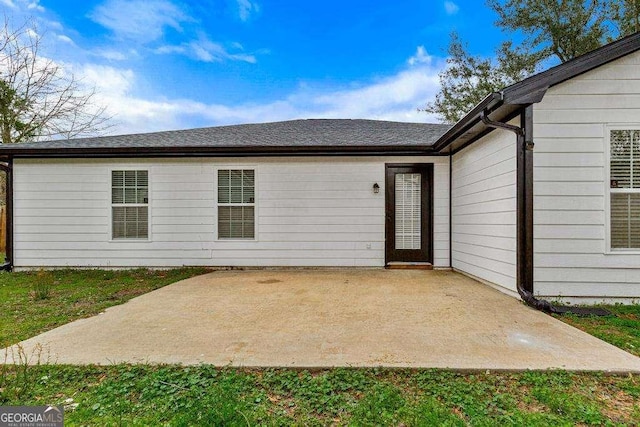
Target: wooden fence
[3, 229]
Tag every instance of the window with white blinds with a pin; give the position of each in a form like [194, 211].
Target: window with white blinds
[130, 204]
[625, 189]
[408, 210]
[236, 204]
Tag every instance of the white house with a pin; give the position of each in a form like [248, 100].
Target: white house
[535, 191]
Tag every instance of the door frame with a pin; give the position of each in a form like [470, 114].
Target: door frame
[426, 252]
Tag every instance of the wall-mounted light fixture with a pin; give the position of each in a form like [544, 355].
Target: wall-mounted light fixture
[376, 188]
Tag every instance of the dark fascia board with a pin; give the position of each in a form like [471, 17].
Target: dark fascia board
[512, 114]
[101, 152]
[532, 90]
[490, 103]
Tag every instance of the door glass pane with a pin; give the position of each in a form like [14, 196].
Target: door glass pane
[408, 210]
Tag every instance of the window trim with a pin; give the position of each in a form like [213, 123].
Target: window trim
[130, 168]
[608, 190]
[254, 168]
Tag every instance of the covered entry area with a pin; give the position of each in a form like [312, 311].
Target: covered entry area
[326, 318]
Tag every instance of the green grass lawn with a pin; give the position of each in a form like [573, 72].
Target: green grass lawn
[622, 329]
[189, 396]
[72, 294]
[31, 303]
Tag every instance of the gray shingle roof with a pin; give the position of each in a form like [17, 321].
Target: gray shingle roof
[330, 133]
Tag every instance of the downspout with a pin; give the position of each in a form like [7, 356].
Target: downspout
[524, 171]
[7, 167]
[450, 209]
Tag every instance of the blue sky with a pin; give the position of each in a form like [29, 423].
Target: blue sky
[170, 64]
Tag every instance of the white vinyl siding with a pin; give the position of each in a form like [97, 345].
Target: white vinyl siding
[573, 237]
[309, 212]
[484, 209]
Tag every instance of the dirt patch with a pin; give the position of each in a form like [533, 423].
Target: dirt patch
[127, 292]
[269, 281]
[82, 304]
[617, 406]
[529, 404]
[532, 406]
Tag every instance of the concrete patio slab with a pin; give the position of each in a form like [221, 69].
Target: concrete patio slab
[327, 318]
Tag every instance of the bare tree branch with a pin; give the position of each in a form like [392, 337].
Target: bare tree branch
[39, 99]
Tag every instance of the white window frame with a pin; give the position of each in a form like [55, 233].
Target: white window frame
[608, 190]
[148, 205]
[255, 202]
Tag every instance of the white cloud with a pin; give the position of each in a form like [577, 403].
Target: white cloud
[206, 50]
[145, 21]
[451, 8]
[112, 55]
[109, 81]
[29, 6]
[171, 49]
[35, 5]
[139, 20]
[24, 10]
[51, 25]
[395, 97]
[421, 57]
[65, 39]
[246, 8]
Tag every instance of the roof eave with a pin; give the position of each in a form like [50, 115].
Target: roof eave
[194, 151]
[489, 103]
